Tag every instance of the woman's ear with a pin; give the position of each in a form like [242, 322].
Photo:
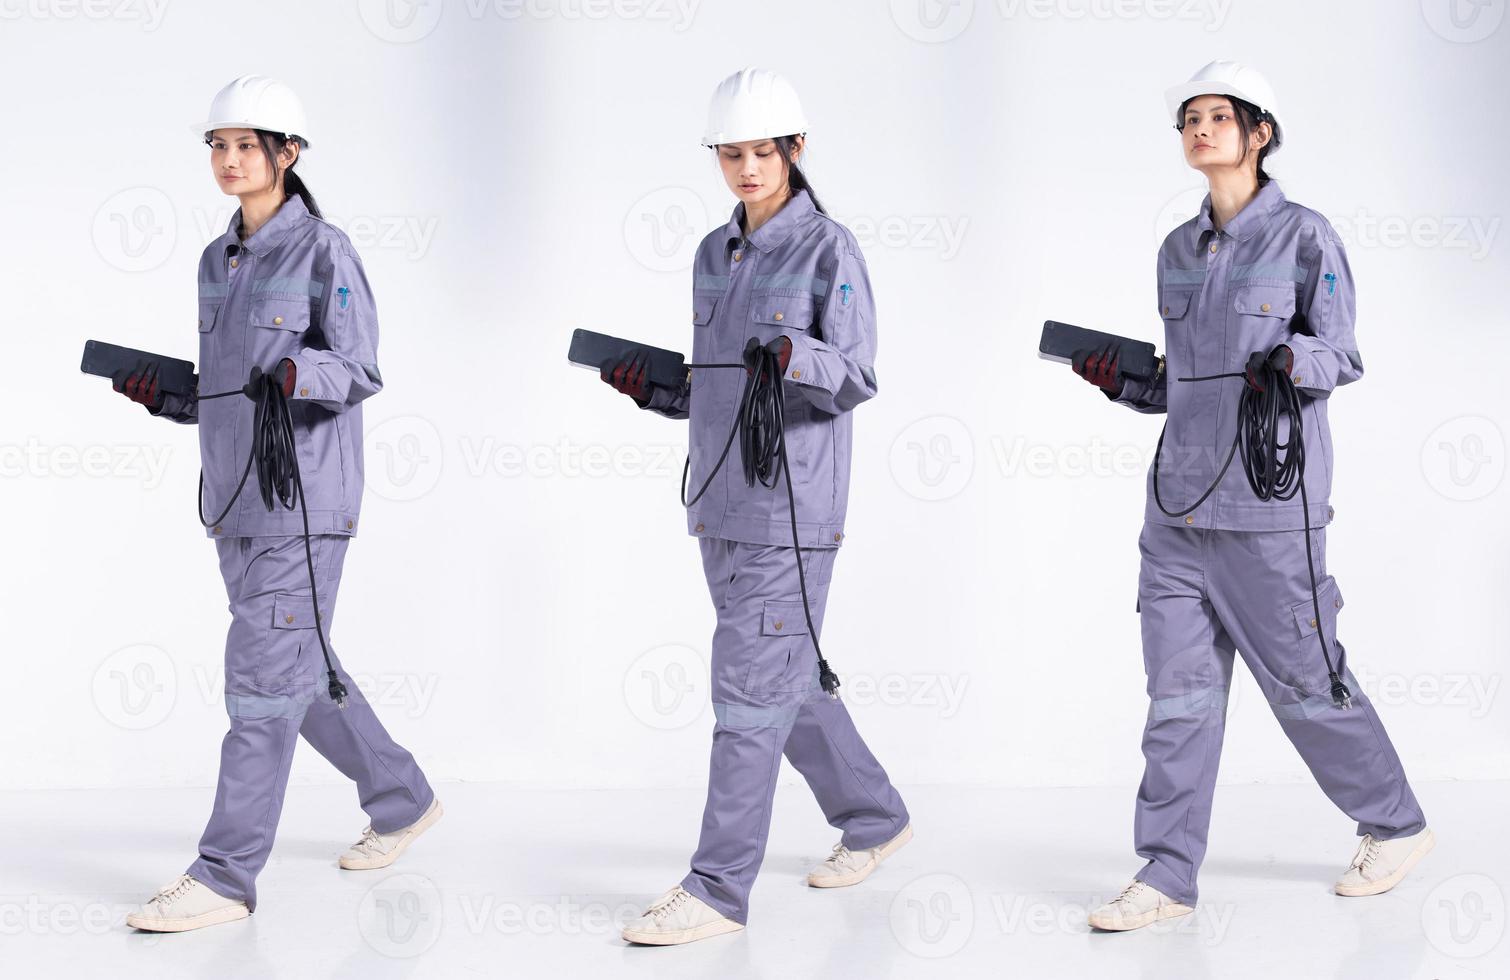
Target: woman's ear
[1262, 134]
[799, 143]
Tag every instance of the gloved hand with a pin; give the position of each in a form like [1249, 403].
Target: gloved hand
[781, 347]
[1100, 368]
[282, 376]
[139, 384]
[630, 376]
[1281, 359]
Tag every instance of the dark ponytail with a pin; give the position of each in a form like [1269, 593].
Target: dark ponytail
[292, 182]
[796, 179]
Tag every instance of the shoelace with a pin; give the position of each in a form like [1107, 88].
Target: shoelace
[841, 853]
[368, 842]
[669, 904]
[1368, 852]
[174, 890]
[1129, 892]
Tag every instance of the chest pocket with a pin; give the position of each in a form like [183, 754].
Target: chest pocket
[1174, 305]
[702, 308]
[281, 314]
[786, 313]
[1267, 301]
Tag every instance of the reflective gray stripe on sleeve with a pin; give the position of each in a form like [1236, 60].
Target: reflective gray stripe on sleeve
[282, 284]
[752, 716]
[1269, 270]
[1184, 276]
[1184, 705]
[213, 290]
[788, 280]
[710, 282]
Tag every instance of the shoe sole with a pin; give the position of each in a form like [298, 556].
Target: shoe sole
[419, 827]
[1139, 921]
[705, 931]
[1386, 883]
[855, 877]
[151, 923]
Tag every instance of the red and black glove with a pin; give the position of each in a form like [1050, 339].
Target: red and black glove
[781, 347]
[282, 376]
[630, 377]
[139, 384]
[1100, 368]
[1281, 359]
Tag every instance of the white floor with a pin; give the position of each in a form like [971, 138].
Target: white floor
[533, 884]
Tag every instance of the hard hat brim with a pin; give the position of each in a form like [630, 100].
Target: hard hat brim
[205, 128]
[1185, 91]
[719, 139]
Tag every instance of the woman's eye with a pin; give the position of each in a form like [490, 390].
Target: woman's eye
[763, 155]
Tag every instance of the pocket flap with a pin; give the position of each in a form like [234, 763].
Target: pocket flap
[294, 612]
[281, 314]
[208, 312]
[702, 309]
[1329, 597]
[793, 312]
[1266, 301]
[1174, 305]
[783, 617]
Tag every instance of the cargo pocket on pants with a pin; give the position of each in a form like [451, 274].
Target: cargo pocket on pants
[782, 660]
[290, 638]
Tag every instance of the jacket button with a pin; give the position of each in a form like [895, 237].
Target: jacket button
[694, 316]
[1313, 623]
[796, 374]
[278, 320]
[838, 536]
[1265, 307]
[1166, 311]
[350, 525]
[304, 392]
[779, 316]
[1297, 379]
[289, 618]
[777, 624]
[1337, 603]
[1190, 519]
[1213, 246]
[217, 529]
[233, 263]
[738, 256]
[698, 529]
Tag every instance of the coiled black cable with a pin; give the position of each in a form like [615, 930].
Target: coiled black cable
[276, 457]
[1275, 468]
[760, 426]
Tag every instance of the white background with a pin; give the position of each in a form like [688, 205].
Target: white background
[509, 173]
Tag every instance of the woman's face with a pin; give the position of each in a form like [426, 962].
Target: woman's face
[1212, 138]
[754, 169]
[238, 163]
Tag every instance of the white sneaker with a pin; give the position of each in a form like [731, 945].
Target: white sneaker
[1380, 864]
[186, 903]
[677, 917]
[376, 850]
[1138, 905]
[846, 867]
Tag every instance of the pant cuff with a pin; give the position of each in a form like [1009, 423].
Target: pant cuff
[696, 885]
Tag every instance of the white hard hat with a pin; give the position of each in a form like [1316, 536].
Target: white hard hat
[753, 104]
[1225, 78]
[257, 102]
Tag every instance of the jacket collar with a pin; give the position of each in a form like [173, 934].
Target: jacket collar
[793, 214]
[288, 216]
[1254, 215]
